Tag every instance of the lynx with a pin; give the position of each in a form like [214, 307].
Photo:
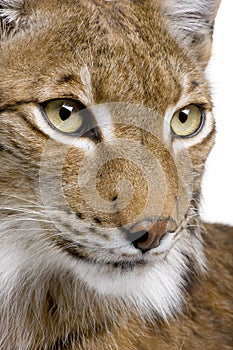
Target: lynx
[105, 127]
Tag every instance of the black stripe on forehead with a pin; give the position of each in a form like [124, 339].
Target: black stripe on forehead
[66, 78]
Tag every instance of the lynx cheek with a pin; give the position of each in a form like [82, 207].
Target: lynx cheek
[123, 182]
[105, 129]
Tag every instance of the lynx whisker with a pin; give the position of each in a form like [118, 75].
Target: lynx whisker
[106, 124]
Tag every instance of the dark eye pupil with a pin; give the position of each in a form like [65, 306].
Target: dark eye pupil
[183, 117]
[64, 113]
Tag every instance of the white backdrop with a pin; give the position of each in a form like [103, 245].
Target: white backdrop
[217, 205]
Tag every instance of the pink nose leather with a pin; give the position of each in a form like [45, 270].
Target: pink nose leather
[147, 234]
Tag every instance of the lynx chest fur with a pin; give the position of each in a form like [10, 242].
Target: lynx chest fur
[105, 126]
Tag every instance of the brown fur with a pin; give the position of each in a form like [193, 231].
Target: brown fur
[101, 52]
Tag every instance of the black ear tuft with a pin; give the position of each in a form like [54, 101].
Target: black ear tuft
[192, 22]
[12, 16]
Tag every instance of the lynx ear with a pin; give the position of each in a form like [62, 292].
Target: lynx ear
[13, 14]
[192, 22]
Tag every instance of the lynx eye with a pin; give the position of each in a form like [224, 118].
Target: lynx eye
[187, 121]
[64, 115]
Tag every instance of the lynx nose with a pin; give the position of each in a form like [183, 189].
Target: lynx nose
[147, 234]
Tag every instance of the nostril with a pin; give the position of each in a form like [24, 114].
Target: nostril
[147, 241]
[148, 234]
[143, 237]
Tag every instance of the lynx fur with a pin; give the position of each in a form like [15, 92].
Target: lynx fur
[101, 242]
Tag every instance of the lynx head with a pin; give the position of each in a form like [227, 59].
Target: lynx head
[106, 125]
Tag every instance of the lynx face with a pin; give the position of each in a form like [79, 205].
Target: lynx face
[106, 124]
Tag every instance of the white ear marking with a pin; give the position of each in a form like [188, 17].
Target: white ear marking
[11, 10]
[192, 23]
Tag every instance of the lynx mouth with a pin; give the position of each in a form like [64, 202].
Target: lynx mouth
[78, 252]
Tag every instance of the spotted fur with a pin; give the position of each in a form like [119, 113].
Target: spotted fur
[70, 277]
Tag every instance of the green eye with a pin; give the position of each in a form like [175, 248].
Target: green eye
[64, 115]
[187, 121]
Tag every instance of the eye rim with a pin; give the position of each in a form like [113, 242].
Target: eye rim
[84, 130]
[202, 111]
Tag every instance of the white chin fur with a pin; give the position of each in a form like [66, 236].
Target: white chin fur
[158, 287]
[151, 289]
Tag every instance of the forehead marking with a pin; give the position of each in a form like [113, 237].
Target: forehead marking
[85, 77]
